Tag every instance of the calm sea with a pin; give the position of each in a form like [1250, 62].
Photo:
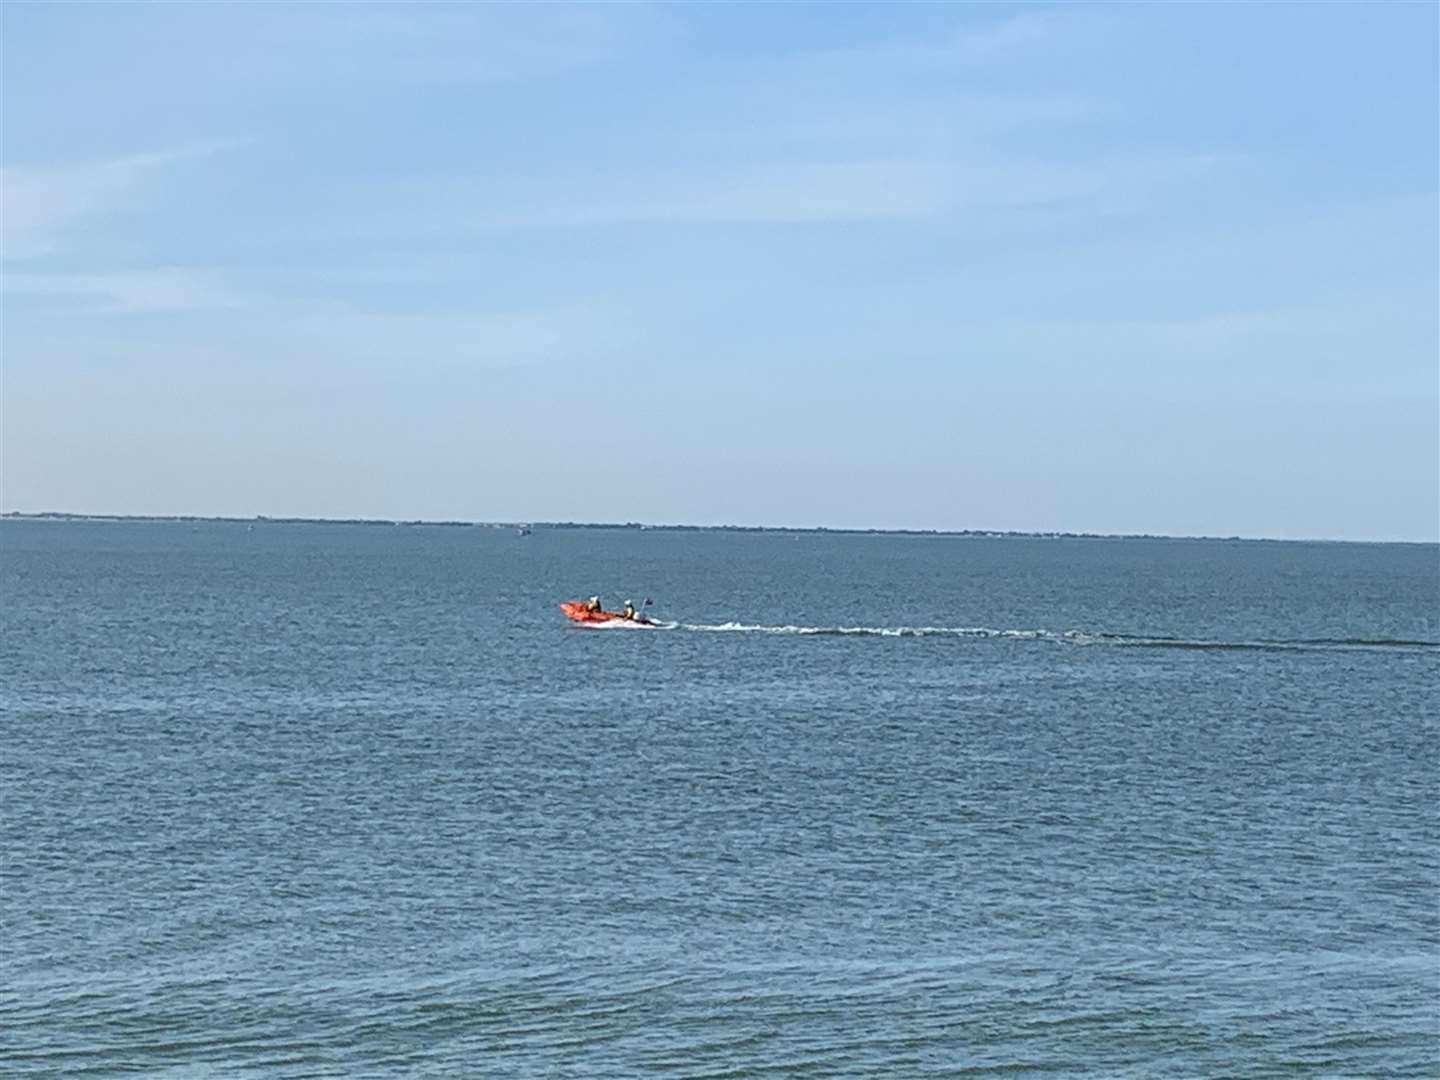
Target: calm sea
[306, 800]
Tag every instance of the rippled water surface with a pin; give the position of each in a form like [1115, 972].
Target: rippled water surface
[303, 800]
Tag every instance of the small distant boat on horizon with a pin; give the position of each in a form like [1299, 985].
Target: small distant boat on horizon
[523, 530]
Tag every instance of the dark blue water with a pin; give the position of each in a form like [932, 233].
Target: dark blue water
[355, 801]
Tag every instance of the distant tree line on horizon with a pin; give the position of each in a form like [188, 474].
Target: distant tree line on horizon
[60, 515]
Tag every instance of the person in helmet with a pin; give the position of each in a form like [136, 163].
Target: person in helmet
[629, 611]
[593, 604]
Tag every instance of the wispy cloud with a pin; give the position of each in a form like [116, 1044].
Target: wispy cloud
[410, 344]
[967, 37]
[305, 342]
[39, 204]
[483, 42]
[270, 49]
[136, 291]
[801, 192]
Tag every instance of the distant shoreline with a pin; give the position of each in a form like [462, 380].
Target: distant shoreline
[810, 530]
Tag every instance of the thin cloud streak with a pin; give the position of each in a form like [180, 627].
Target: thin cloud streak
[812, 192]
[38, 204]
[131, 292]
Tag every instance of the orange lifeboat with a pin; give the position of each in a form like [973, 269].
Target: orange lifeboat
[577, 611]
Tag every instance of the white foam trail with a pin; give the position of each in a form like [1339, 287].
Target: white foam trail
[626, 624]
[864, 631]
[1067, 637]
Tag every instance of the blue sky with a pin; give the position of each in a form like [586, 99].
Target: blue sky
[1163, 268]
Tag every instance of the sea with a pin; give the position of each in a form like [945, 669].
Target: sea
[323, 800]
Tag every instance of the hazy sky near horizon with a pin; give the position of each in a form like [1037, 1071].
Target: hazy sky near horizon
[1119, 268]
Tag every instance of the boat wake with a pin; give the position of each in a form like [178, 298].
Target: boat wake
[626, 624]
[1069, 637]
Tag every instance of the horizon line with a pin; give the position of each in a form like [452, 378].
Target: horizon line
[974, 533]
